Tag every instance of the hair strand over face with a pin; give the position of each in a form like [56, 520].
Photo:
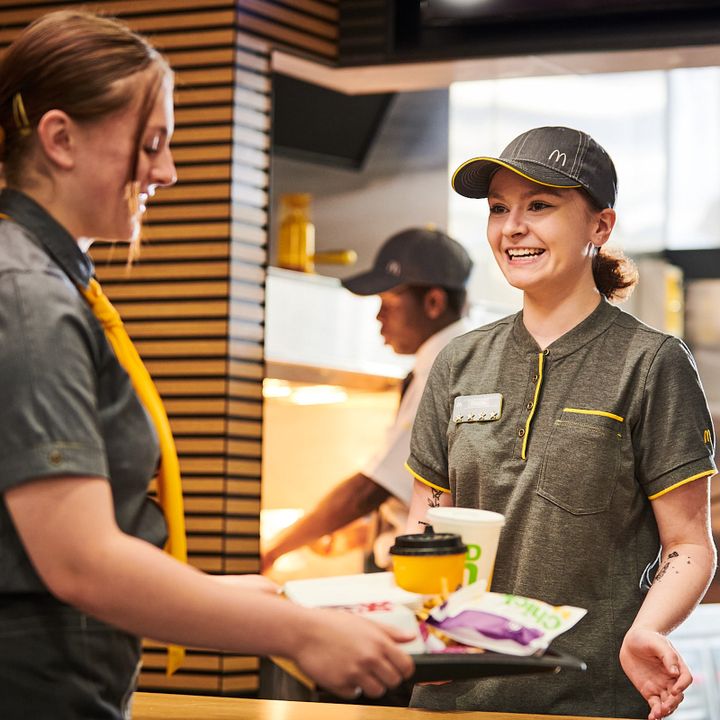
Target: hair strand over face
[76, 62]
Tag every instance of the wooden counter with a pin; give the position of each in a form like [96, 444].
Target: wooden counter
[154, 706]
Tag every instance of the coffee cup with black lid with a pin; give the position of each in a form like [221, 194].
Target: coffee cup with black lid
[429, 563]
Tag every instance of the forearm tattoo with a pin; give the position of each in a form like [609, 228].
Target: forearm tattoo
[666, 566]
[434, 499]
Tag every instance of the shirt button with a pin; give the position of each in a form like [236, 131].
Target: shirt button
[535, 378]
[529, 406]
[55, 457]
[546, 352]
[521, 432]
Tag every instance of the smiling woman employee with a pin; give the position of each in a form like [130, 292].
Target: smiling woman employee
[602, 452]
[87, 116]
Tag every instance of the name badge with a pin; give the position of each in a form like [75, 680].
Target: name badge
[477, 408]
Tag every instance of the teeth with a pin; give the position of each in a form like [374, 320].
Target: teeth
[524, 252]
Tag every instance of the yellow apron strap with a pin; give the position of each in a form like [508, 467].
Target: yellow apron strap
[169, 486]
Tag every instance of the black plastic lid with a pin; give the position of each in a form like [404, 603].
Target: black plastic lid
[428, 543]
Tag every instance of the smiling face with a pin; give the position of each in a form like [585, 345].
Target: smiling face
[543, 238]
[107, 151]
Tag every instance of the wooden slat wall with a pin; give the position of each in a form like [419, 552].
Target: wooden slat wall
[194, 301]
[363, 32]
[308, 27]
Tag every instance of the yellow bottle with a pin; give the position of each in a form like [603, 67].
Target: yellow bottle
[296, 238]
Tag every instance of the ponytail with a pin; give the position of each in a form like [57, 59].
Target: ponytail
[615, 275]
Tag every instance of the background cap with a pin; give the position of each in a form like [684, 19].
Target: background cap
[417, 256]
[554, 156]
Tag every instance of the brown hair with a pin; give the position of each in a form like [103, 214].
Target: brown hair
[614, 273]
[71, 61]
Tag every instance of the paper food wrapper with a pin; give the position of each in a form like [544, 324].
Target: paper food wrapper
[501, 622]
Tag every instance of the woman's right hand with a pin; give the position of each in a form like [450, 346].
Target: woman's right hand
[656, 669]
[345, 653]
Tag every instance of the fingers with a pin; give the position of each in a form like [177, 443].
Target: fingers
[347, 692]
[371, 684]
[393, 667]
[671, 661]
[656, 709]
[680, 676]
[673, 706]
[401, 661]
[664, 704]
[397, 634]
[683, 680]
[387, 672]
[374, 688]
[357, 653]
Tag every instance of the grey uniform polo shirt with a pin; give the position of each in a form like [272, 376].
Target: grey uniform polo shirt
[67, 407]
[609, 417]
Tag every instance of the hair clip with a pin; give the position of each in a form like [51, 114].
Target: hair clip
[20, 116]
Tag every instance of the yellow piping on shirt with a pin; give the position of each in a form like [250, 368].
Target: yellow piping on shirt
[707, 437]
[424, 481]
[595, 412]
[705, 473]
[541, 360]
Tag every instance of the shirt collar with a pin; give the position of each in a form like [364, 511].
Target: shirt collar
[593, 325]
[427, 352]
[47, 232]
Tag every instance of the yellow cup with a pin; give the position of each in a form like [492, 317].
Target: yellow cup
[428, 563]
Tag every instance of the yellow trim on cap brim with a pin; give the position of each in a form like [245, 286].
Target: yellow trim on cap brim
[706, 473]
[424, 481]
[509, 167]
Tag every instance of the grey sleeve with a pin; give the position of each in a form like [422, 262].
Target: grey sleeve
[428, 459]
[675, 440]
[48, 382]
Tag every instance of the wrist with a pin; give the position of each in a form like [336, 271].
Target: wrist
[304, 631]
[640, 628]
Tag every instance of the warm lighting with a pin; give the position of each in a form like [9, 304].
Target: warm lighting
[291, 562]
[318, 395]
[276, 388]
[303, 394]
[274, 521]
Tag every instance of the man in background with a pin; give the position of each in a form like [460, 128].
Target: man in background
[420, 276]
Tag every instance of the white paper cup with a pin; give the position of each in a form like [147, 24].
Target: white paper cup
[479, 530]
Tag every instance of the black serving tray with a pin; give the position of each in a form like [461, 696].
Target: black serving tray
[289, 683]
[431, 667]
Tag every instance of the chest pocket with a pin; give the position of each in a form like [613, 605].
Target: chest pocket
[582, 458]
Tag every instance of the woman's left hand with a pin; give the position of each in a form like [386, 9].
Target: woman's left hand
[656, 669]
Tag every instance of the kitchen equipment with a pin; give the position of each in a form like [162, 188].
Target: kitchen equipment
[296, 237]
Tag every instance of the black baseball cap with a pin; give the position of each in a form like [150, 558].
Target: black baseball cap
[416, 256]
[558, 157]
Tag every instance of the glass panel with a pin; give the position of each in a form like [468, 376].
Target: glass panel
[666, 150]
